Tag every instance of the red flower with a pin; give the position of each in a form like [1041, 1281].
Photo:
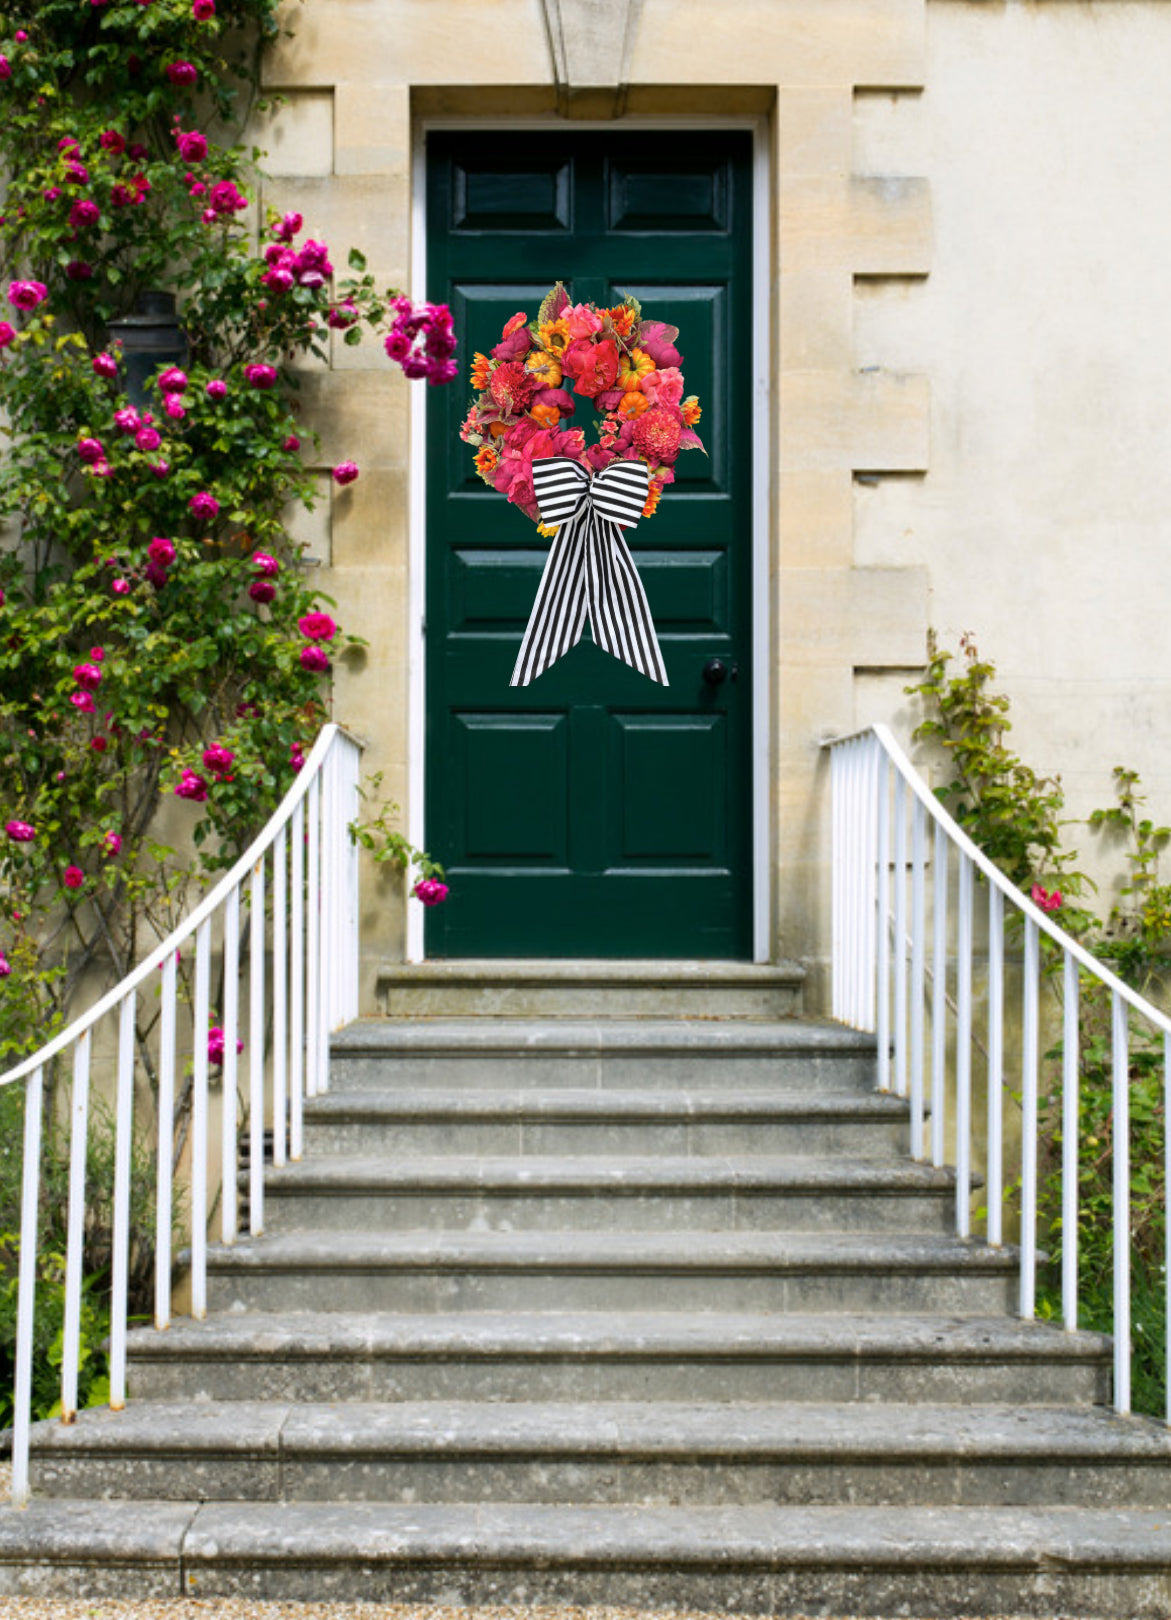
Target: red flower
[600, 367]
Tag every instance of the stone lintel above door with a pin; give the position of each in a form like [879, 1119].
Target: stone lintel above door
[590, 44]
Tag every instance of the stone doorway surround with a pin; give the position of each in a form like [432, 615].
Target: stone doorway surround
[358, 75]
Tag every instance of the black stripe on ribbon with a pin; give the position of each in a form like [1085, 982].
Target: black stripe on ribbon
[589, 572]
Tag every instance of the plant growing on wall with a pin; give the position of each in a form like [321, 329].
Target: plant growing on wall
[162, 641]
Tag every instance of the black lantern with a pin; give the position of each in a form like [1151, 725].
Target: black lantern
[150, 338]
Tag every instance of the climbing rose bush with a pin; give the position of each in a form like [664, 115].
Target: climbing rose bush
[161, 638]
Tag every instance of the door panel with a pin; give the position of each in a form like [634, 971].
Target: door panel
[593, 813]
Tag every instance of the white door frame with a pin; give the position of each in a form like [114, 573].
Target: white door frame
[762, 418]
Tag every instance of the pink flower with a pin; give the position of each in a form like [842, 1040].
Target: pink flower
[296, 756]
[262, 590]
[7, 334]
[204, 506]
[76, 173]
[172, 381]
[291, 443]
[430, 891]
[98, 654]
[191, 786]
[267, 567]
[127, 420]
[288, 227]
[5, 969]
[90, 450]
[161, 468]
[105, 365]
[182, 73]
[5, 68]
[261, 376]
[345, 472]
[202, 10]
[218, 759]
[216, 389]
[27, 294]
[225, 198]
[342, 315]
[173, 408]
[83, 213]
[192, 146]
[73, 877]
[1046, 901]
[317, 627]
[112, 843]
[98, 744]
[120, 587]
[110, 141]
[83, 701]
[147, 439]
[217, 1045]
[88, 676]
[20, 832]
[315, 659]
[161, 551]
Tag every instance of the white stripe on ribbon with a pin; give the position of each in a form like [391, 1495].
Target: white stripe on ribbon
[589, 572]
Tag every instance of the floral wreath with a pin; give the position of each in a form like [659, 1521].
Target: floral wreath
[627, 367]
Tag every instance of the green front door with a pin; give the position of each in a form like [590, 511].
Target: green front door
[593, 813]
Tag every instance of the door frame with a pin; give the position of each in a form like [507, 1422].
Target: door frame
[763, 417]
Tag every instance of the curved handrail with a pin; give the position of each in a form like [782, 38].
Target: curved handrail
[211, 903]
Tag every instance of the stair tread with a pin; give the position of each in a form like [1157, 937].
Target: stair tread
[689, 1250]
[600, 1333]
[324, 1534]
[520, 1036]
[581, 1103]
[610, 1172]
[664, 1429]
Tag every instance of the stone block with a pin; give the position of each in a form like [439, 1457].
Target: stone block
[351, 211]
[814, 130]
[869, 224]
[890, 132]
[369, 521]
[296, 135]
[311, 528]
[856, 617]
[816, 517]
[816, 324]
[799, 43]
[877, 420]
[427, 42]
[360, 417]
[372, 131]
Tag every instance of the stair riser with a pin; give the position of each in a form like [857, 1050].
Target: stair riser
[800, 1073]
[603, 1211]
[559, 1378]
[567, 1000]
[711, 1481]
[464, 1289]
[569, 1138]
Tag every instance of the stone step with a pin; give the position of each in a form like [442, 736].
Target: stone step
[609, 1194]
[643, 1452]
[590, 989]
[618, 1271]
[562, 1121]
[601, 1053]
[767, 1560]
[486, 1356]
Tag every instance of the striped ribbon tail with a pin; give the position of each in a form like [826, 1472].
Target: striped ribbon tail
[589, 573]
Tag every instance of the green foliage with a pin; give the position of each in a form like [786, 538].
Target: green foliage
[1014, 816]
[379, 833]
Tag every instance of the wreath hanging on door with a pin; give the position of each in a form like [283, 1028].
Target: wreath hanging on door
[630, 371]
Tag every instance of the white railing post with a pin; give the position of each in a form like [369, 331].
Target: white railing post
[900, 940]
[280, 1020]
[75, 1242]
[964, 925]
[313, 973]
[939, 996]
[882, 928]
[256, 1021]
[26, 1288]
[229, 1093]
[918, 971]
[1029, 1061]
[120, 1242]
[199, 1121]
[164, 1177]
[1120, 1144]
[297, 985]
[994, 1164]
[1070, 1068]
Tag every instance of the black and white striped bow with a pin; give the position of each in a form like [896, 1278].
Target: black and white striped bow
[589, 573]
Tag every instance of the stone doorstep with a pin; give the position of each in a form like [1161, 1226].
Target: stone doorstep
[858, 1560]
[800, 1039]
[600, 988]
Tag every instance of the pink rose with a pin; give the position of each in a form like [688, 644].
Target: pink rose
[20, 832]
[88, 676]
[317, 627]
[218, 759]
[73, 877]
[120, 587]
[266, 566]
[90, 450]
[104, 365]
[172, 381]
[291, 443]
[7, 334]
[127, 420]
[112, 843]
[345, 472]
[161, 551]
[111, 141]
[173, 408]
[315, 659]
[204, 506]
[191, 786]
[664, 387]
[27, 294]
[262, 590]
[217, 1046]
[5, 969]
[83, 701]
[202, 10]
[147, 439]
[599, 368]
[1046, 901]
[581, 321]
[183, 73]
[83, 213]
[430, 891]
[261, 376]
[192, 146]
[216, 389]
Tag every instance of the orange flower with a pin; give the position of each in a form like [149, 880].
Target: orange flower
[652, 499]
[481, 366]
[543, 368]
[547, 415]
[554, 336]
[635, 368]
[622, 319]
[486, 460]
[497, 429]
[515, 323]
[691, 410]
[632, 404]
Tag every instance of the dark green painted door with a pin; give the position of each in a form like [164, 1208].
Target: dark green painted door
[593, 813]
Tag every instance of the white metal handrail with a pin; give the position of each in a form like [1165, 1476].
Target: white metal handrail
[880, 941]
[311, 945]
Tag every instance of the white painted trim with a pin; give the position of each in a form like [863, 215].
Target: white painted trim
[762, 386]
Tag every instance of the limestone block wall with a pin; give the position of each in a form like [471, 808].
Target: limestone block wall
[357, 74]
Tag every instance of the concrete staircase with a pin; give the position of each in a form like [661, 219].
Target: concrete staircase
[607, 1310]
